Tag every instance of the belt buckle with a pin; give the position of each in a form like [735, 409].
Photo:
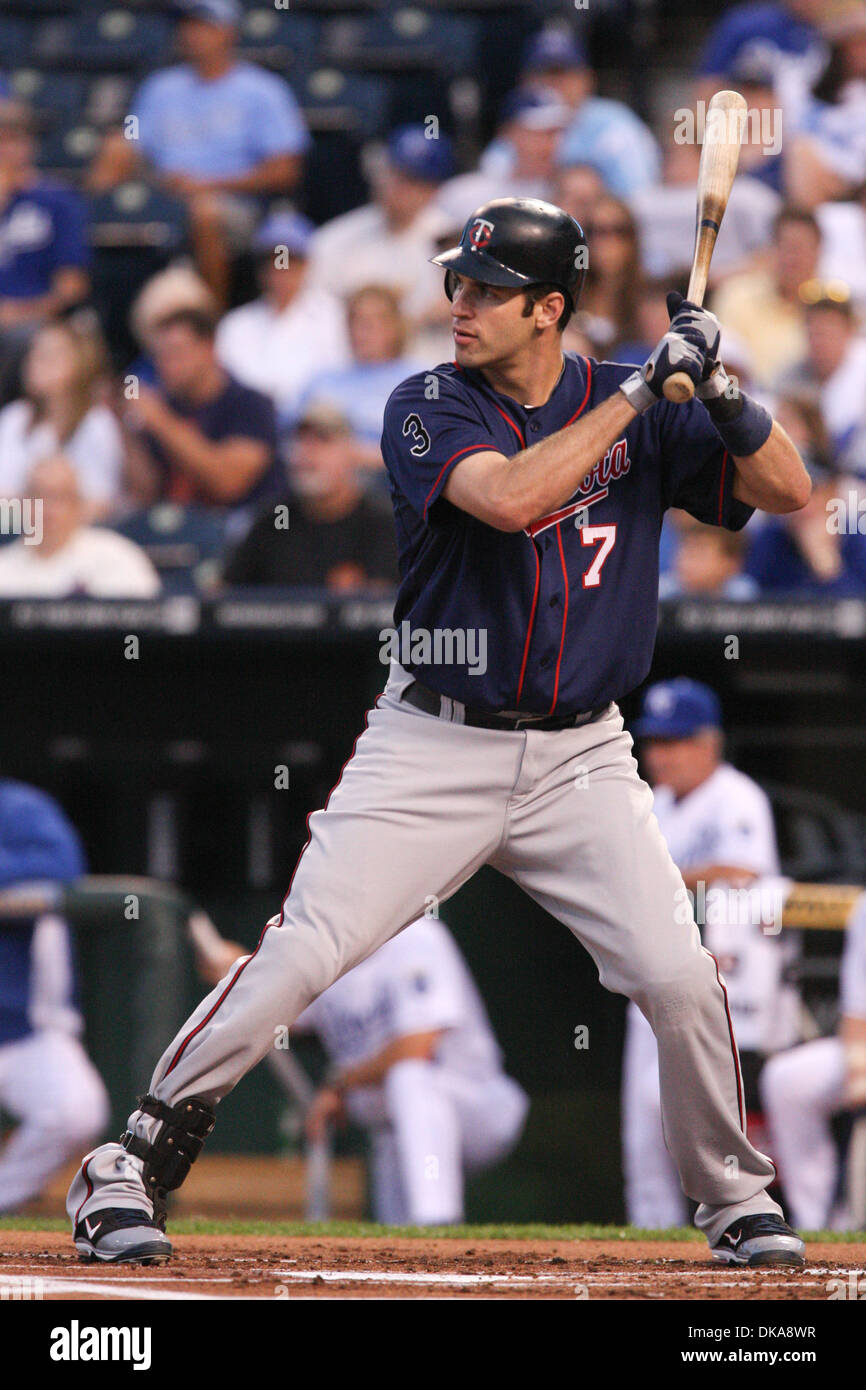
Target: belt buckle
[527, 721]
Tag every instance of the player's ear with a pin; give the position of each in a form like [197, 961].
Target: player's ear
[549, 308]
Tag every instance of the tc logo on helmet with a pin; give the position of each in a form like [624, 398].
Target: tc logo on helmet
[480, 233]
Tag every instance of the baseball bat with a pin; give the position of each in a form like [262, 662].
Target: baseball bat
[295, 1083]
[723, 132]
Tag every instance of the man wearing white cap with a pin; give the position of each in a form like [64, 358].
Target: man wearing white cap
[295, 330]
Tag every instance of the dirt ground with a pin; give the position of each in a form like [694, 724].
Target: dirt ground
[44, 1265]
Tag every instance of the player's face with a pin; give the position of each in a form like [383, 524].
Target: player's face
[681, 763]
[182, 358]
[829, 334]
[281, 283]
[488, 322]
[796, 254]
[320, 461]
[202, 41]
[375, 331]
[53, 483]
[51, 366]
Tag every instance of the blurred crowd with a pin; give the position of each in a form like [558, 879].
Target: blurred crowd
[241, 445]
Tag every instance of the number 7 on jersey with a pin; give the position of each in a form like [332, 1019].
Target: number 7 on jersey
[591, 535]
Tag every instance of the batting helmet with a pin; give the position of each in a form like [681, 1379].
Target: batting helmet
[520, 242]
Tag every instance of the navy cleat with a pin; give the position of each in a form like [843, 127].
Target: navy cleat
[120, 1235]
[764, 1239]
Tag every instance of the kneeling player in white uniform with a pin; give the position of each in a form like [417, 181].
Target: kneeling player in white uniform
[803, 1088]
[718, 826]
[414, 1061]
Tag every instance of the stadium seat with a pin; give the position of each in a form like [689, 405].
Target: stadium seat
[136, 214]
[40, 8]
[403, 39]
[183, 543]
[107, 40]
[15, 42]
[327, 7]
[68, 149]
[342, 110]
[279, 39]
[335, 100]
[54, 97]
[109, 98]
[135, 230]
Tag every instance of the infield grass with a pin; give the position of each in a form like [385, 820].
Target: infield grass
[354, 1230]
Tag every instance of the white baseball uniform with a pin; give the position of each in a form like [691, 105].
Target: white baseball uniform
[48, 1085]
[429, 1121]
[47, 1082]
[802, 1088]
[726, 820]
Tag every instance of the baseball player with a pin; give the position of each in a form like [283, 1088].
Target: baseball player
[414, 1061]
[528, 489]
[718, 826]
[47, 1082]
[803, 1088]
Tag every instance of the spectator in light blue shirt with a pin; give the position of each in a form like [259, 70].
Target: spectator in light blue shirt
[377, 335]
[602, 133]
[220, 133]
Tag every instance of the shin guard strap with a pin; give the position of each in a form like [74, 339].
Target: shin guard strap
[169, 1157]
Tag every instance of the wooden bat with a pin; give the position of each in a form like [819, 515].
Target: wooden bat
[723, 132]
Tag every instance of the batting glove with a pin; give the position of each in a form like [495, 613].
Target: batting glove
[697, 325]
[674, 353]
[701, 327]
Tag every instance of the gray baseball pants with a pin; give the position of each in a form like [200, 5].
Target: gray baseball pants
[422, 804]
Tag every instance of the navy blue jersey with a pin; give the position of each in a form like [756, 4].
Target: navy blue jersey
[43, 229]
[568, 607]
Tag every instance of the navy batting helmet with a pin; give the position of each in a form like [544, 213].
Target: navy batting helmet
[520, 242]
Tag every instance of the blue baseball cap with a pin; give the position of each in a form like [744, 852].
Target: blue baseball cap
[287, 229]
[227, 12]
[414, 152]
[678, 709]
[552, 50]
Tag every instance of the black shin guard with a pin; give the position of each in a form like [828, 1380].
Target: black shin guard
[168, 1159]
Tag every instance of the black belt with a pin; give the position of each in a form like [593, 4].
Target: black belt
[431, 703]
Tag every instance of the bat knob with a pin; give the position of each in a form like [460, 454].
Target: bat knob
[679, 388]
